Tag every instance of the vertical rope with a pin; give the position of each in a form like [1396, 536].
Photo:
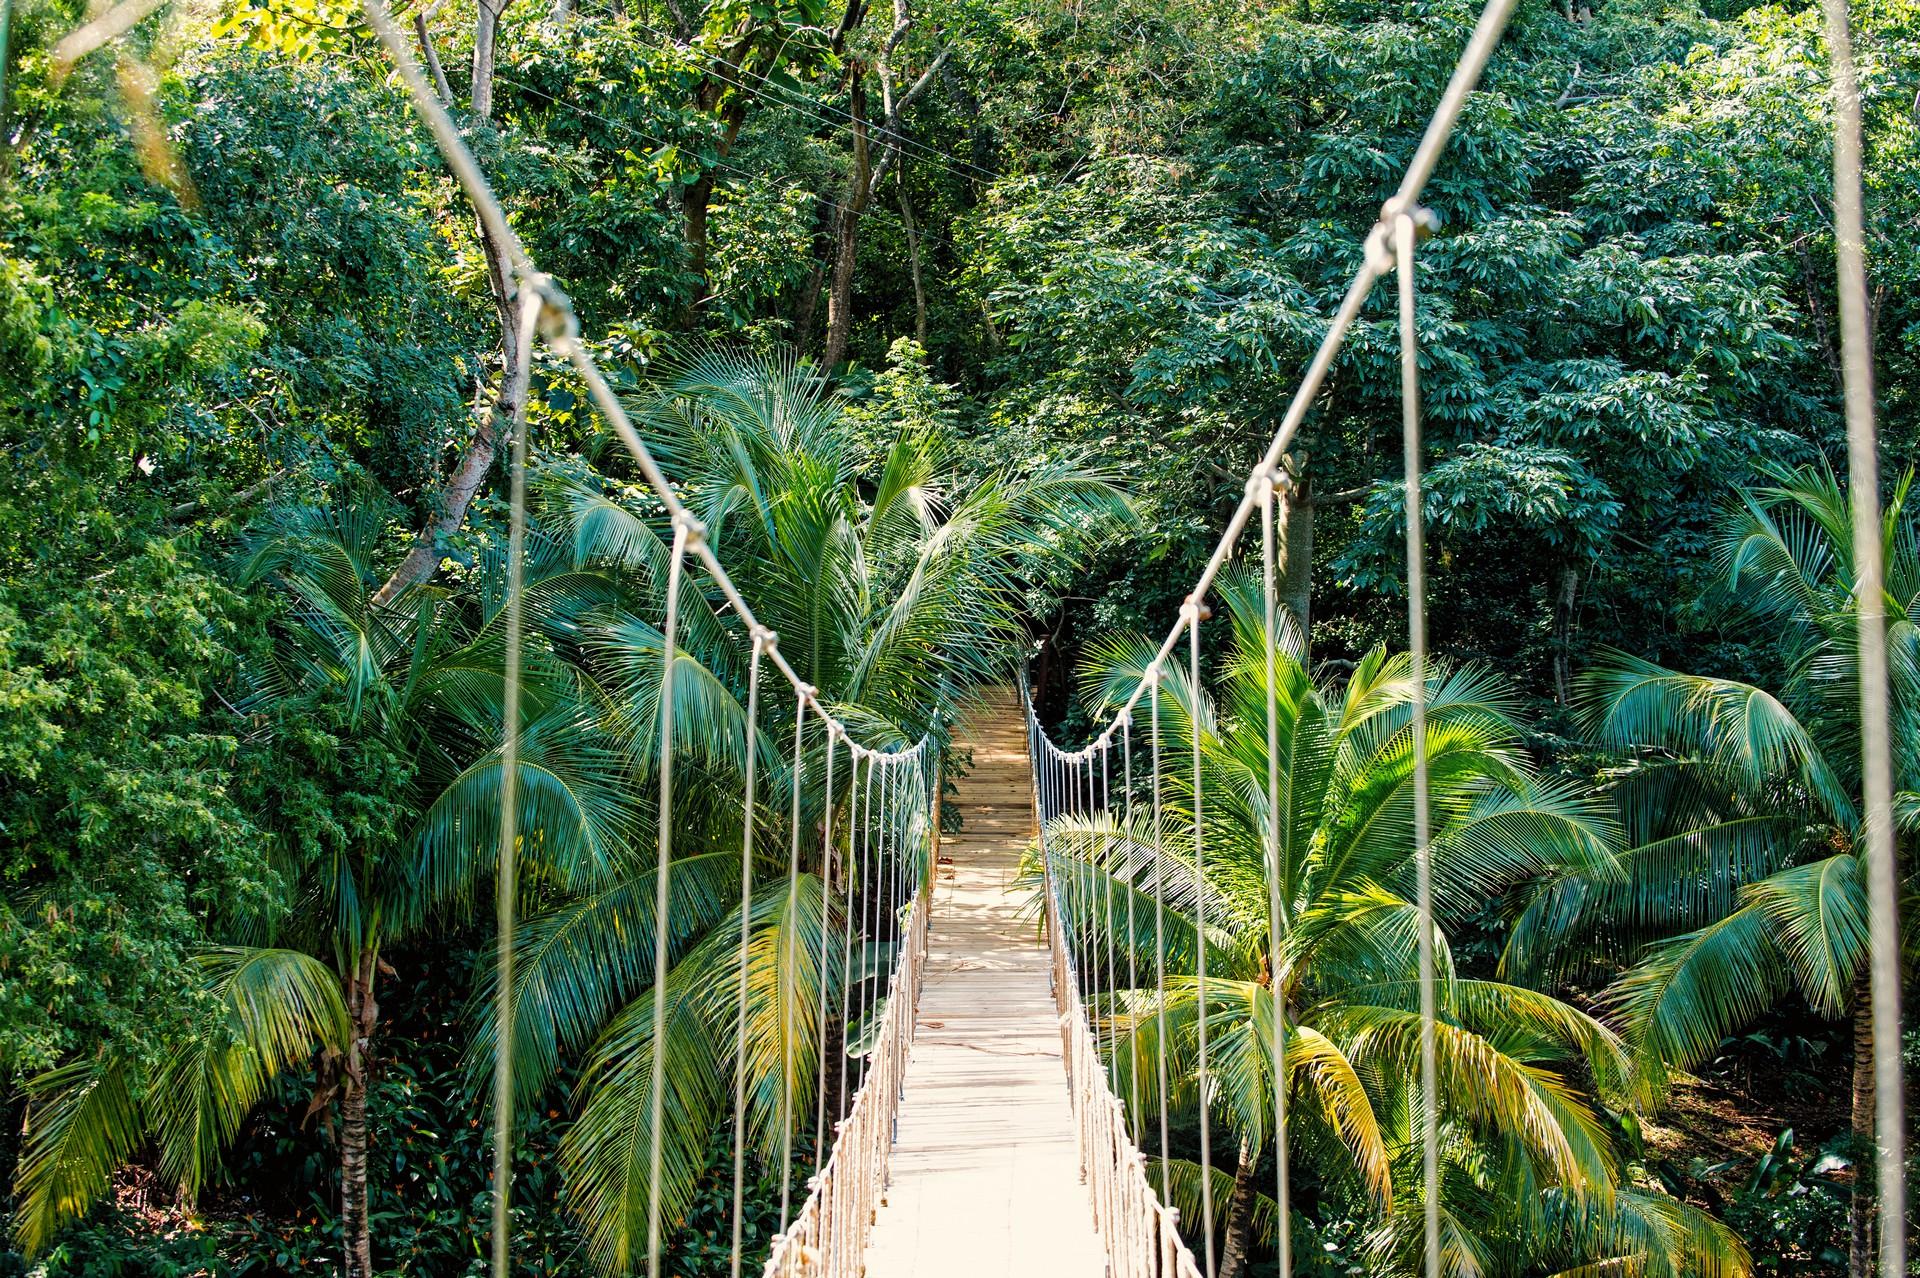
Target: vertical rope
[1863, 482]
[1159, 921]
[662, 895]
[849, 868]
[506, 871]
[869, 898]
[1277, 825]
[1403, 236]
[1106, 897]
[826, 934]
[787, 1027]
[746, 938]
[1200, 948]
[1133, 972]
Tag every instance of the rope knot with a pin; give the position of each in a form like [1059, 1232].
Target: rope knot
[696, 532]
[1380, 240]
[558, 323]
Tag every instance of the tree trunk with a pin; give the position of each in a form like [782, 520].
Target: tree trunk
[471, 467]
[1233, 1256]
[807, 306]
[1860, 1210]
[486, 27]
[364, 1012]
[846, 239]
[432, 57]
[1294, 516]
[695, 203]
[1563, 616]
[697, 200]
[913, 262]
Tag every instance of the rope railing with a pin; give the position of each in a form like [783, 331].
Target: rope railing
[1389, 247]
[827, 1237]
[542, 309]
[1141, 1232]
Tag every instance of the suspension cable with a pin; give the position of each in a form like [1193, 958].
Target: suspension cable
[787, 977]
[746, 938]
[826, 936]
[662, 897]
[506, 872]
[1403, 236]
[1278, 847]
[1863, 483]
[1159, 922]
[1133, 974]
[1194, 612]
[849, 869]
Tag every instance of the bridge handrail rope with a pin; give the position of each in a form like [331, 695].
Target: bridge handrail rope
[826, 1236]
[1390, 246]
[1141, 1232]
[543, 309]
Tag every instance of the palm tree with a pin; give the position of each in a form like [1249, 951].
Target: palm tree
[894, 586]
[1528, 1174]
[1744, 874]
[386, 721]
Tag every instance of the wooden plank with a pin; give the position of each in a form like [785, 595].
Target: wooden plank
[986, 1176]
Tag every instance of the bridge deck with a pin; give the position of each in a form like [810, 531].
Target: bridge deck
[986, 1178]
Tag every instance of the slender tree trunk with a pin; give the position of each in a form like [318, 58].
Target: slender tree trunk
[470, 469]
[1860, 1210]
[1563, 616]
[486, 28]
[913, 262]
[364, 1012]
[472, 466]
[807, 306]
[696, 201]
[1233, 1256]
[432, 57]
[1294, 516]
[846, 241]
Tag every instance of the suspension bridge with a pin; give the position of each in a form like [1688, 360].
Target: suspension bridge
[980, 1125]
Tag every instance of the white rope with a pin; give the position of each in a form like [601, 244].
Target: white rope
[1133, 973]
[1277, 885]
[826, 1235]
[787, 1027]
[1141, 1234]
[826, 936]
[1195, 612]
[1403, 236]
[850, 868]
[506, 871]
[1374, 264]
[1159, 922]
[746, 938]
[662, 896]
[1106, 903]
[1863, 482]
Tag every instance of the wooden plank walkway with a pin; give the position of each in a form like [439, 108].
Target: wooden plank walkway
[986, 1176]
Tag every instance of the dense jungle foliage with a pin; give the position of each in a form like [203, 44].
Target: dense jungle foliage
[1004, 297]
